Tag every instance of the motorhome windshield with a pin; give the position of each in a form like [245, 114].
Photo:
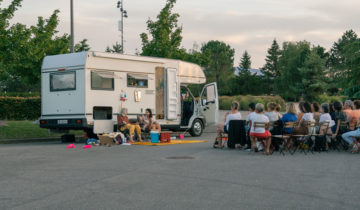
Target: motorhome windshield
[62, 81]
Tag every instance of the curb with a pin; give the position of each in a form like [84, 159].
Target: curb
[41, 140]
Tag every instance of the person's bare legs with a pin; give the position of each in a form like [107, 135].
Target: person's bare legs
[253, 142]
[268, 144]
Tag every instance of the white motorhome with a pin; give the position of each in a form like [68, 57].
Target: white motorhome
[81, 89]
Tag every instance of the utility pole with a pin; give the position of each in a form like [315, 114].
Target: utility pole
[120, 4]
[71, 26]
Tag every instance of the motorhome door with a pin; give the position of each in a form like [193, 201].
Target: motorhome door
[171, 94]
[210, 103]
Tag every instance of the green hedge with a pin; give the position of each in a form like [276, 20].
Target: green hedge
[331, 99]
[20, 108]
[225, 101]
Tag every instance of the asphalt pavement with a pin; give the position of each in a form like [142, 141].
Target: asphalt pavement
[49, 176]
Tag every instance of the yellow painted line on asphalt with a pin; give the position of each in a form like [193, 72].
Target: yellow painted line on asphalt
[173, 142]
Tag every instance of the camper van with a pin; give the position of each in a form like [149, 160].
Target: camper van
[87, 90]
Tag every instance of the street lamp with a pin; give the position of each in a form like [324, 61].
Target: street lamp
[123, 15]
[71, 26]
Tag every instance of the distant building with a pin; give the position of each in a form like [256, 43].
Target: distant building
[252, 71]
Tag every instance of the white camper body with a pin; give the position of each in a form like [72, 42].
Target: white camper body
[81, 90]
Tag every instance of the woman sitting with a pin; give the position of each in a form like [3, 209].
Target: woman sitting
[260, 132]
[307, 117]
[271, 113]
[223, 128]
[124, 123]
[289, 116]
[148, 122]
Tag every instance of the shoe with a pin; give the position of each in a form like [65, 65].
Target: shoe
[248, 150]
[87, 147]
[71, 146]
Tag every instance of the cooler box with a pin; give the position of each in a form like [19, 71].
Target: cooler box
[154, 136]
[165, 137]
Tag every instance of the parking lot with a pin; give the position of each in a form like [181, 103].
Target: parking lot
[188, 176]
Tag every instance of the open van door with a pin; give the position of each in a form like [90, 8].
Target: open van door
[209, 102]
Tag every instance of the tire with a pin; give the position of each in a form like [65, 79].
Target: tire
[197, 128]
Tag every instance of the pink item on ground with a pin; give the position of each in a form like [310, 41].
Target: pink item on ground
[87, 146]
[71, 146]
[181, 136]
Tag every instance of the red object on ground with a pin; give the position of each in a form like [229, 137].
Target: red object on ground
[165, 137]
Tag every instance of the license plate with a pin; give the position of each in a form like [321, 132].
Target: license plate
[62, 122]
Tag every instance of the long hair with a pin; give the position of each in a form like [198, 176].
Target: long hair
[150, 115]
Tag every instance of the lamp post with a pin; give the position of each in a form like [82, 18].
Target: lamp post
[71, 26]
[123, 13]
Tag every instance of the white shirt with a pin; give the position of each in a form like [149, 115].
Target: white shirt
[256, 117]
[308, 117]
[236, 116]
[249, 116]
[273, 116]
[327, 118]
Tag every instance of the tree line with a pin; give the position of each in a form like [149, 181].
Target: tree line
[293, 70]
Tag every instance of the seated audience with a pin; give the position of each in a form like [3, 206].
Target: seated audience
[233, 115]
[260, 132]
[348, 107]
[316, 108]
[351, 136]
[289, 116]
[307, 116]
[355, 115]
[339, 116]
[124, 123]
[251, 112]
[301, 108]
[271, 113]
[278, 110]
[325, 117]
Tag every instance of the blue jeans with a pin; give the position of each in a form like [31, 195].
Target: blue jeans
[351, 136]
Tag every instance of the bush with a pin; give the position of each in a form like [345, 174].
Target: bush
[20, 94]
[330, 99]
[225, 101]
[20, 108]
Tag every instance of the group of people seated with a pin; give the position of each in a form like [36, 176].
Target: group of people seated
[334, 116]
[143, 123]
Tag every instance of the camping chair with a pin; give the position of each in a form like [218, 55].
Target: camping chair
[285, 137]
[236, 133]
[261, 140]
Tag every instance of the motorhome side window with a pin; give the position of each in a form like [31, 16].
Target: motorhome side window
[62, 81]
[137, 80]
[102, 80]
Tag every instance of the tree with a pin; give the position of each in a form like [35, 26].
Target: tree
[22, 49]
[301, 72]
[245, 62]
[219, 61]
[116, 48]
[165, 35]
[82, 46]
[270, 68]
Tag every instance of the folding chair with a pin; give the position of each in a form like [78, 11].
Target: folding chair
[301, 140]
[285, 136]
[323, 127]
[261, 140]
